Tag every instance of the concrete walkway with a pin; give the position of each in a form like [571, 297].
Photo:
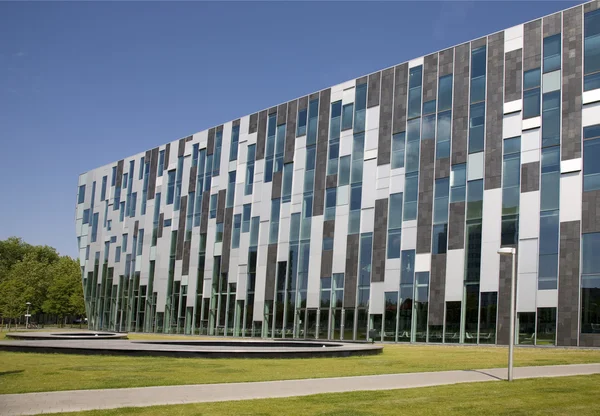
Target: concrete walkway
[70, 401]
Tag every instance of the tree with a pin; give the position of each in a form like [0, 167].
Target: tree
[12, 300]
[64, 291]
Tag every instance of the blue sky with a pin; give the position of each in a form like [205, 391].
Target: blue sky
[85, 84]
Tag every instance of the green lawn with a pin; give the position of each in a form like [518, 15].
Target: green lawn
[544, 396]
[30, 372]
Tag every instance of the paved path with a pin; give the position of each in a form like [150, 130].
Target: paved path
[70, 401]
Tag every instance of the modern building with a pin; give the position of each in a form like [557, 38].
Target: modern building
[377, 204]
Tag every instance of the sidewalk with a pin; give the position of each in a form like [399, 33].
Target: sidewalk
[70, 401]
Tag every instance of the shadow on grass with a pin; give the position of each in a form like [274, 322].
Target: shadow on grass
[7, 373]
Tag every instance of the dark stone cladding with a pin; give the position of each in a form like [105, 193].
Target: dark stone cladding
[513, 74]
[327, 255]
[328, 228]
[446, 62]
[591, 6]
[210, 141]
[379, 240]
[460, 106]
[456, 226]
[276, 186]
[532, 45]
[362, 80]
[572, 71]
[530, 177]
[167, 156]
[400, 97]
[153, 173]
[503, 323]
[226, 252]
[161, 219]
[589, 340]
[221, 205]
[321, 162]
[119, 180]
[437, 291]
[351, 269]
[425, 204]
[590, 215]
[430, 77]
[442, 168]
[568, 284]
[272, 110]
[281, 113]
[386, 106]
[290, 132]
[261, 135]
[193, 178]
[253, 125]
[494, 108]
[477, 43]
[331, 181]
[373, 87]
[185, 264]
[136, 227]
[271, 269]
[181, 147]
[204, 212]
[181, 228]
[235, 123]
[551, 24]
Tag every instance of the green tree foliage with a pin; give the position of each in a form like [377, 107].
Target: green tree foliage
[63, 294]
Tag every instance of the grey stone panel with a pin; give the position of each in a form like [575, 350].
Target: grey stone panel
[589, 340]
[253, 125]
[181, 147]
[136, 227]
[271, 270]
[276, 186]
[281, 114]
[219, 129]
[591, 6]
[167, 155]
[400, 97]
[153, 173]
[193, 178]
[221, 205]
[161, 219]
[494, 111]
[261, 135]
[210, 142]
[572, 71]
[425, 203]
[272, 110]
[442, 168]
[189, 138]
[290, 132]
[513, 74]
[303, 103]
[503, 324]
[181, 228]
[326, 263]
[532, 45]
[119, 180]
[437, 291]
[430, 77]
[321, 162]
[225, 253]
[456, 226]
[313, 96]
[204, 212]
[373, 89]
[362, 80]
[235, 123]
[328, 228]
[478, 42]
[460, 106]
[551, 24]
[351, 270]
[446, 62]
[530, 177]
[185, 264]
[379, 240]
[568, 284]
[386, 107]
[590, 218]
[331, 181]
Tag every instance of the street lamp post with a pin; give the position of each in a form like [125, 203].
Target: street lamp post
[27, 315]
[510, 251]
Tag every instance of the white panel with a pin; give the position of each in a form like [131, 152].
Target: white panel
[370, 154]
[299, 143]
[346, 143]
[530, 140]
[284, 211]
[530, 156]
[252, 138]
[408, 238]
[415, 62]
[511, 125]
[383, 171]
[263, 237]
[376, 299]
[373, 120]
[513, 32]
[367, 220]
[551, 81]
[475, 166]
[283, 251]
[490, 266]
[348, 95]
[531, 123]
[369, 179]
[526, 291]
[284, 229]
[529, 215]
[314, 266]
[591, 96]
[455, 264]
[336, 95]
[571, 165]
[343, 195]
[513, 44]
[490, 237]
[218, 249]
[547, 298]
[392, 275]
[590, 114]
[570, 197]
[343, 86]
[339, 244]
[513, 106]
[397, 183]
[242, 282]
[423, 262]
[528, 255]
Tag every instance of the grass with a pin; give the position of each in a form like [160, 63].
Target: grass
[557, 396]
[33, 372]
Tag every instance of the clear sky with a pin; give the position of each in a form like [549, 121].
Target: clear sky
[85, 84]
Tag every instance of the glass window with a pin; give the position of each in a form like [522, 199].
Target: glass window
[86, 216]
[444, 132]
[590, 283]
[407, 268]
[355, 196]
[302, 115]
[103, 189]
[170, 186]
[511, 174]
[546, 326]
[219, 233]
[344, 173]
[445, 93]
[347, 112]
[591, 132]
[167, 222]
[398, 140]
[395, 211]
[478, 63]
[552, 53]
[413, 145]
[288, 172]
[161, 162]
[531, 103]
[113, 176]
[393, 244]
[550, 180]
[551, 119]
[439, 239]
[411, 191]
[591, 63]
[510, 230]
[458, 180]
[429, 107]
[360, 105]
[330, 202]
[474, 199]
[476, 127]
[591, 164]
[274, 227]
[327, 243]
[440, 204]
[235, 138]
[213, 206]
[414, 92]
[230, 189]
[429, 127]
[246, 217]
[81, 194]
[531, 79]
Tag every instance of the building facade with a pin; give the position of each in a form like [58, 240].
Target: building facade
[376, 204]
